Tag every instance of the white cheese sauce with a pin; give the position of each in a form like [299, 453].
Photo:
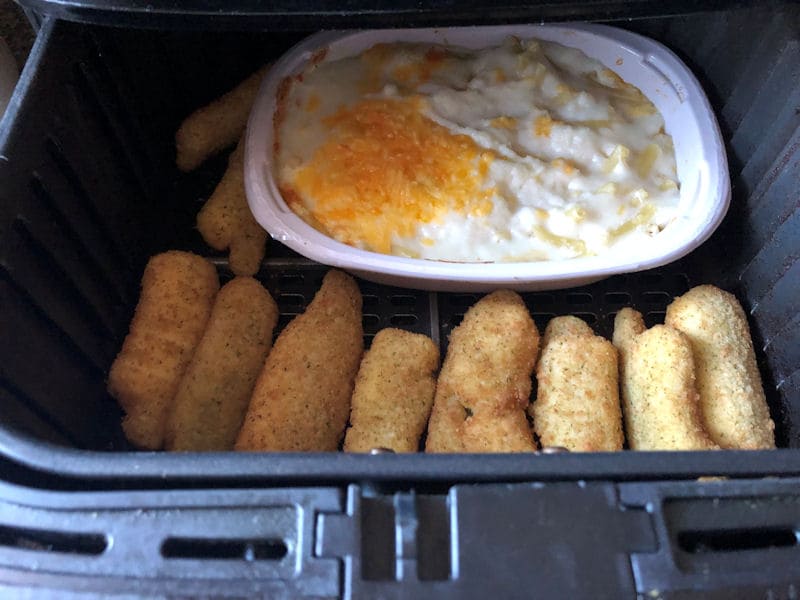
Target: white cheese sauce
[580, 163]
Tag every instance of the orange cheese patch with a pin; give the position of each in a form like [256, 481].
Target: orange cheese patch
[503, 122]
[385, 168]
[543, 125]
[313, 103]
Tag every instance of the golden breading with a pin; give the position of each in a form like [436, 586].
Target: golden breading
[393, 393]
[485, 382]
[732, 401]
[212, 397]
[660, 401]
[577, 404]
[301, 400]
[178, 290]
[226, 222]
[567, 325]
[628, 323]
[218, 125]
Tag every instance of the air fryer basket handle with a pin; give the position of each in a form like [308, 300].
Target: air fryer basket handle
[522, 540]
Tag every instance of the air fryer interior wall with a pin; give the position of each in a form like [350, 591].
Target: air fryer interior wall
[89, 190]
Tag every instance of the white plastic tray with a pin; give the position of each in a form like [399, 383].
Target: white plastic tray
[656, 71]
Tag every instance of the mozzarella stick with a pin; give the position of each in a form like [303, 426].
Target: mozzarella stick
[660, 401]
[301, 400]
[212, 397]
[246, 249]
[393, 393]
[178, 290]
[628, 324]
[216, 126]
[485, 383]
[226, 222]
[566, 326]
[732, 402]
[577, 404]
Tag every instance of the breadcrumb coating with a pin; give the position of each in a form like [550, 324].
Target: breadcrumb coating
[732, 401]
[301, 400]
[178, 289]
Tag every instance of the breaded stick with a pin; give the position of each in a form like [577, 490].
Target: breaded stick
[178, 290]
[485, 383]
[218, 125]
[657, 379]
[212, 397]
[302, 397]
[628, 324]
[577, 404]
[394, 392]
[732, 400]
[225, 221]
[566, 326]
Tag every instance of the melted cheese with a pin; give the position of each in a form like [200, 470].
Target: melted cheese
[385, 168]
[527, 151]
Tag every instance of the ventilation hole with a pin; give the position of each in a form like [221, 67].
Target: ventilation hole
[579, 298]
[370, 321]
[369, 300]
[433, 538]
[52, 541]
[291, 278]
[204, 549]
[590, 318]
[540, 316]
[543, 299]
[292, 300]
[404, 320]
[284, 319]
[462, 300]
[735, 540]
[654, 317]
[377, 539]
[656, 297]
[404, 301]
[617, 298]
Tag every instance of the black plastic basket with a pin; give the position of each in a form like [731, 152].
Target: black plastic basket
[88, 191]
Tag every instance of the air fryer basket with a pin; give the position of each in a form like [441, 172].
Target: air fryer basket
[88, 191]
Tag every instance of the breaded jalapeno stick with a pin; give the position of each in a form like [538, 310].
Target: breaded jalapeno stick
[213, 395]
[393, 393]
[485, 383]
[226, 222]
[732, 400]
[301, 400]
[657, 381]
[216, 126]
[577, 404]
[178, 290]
